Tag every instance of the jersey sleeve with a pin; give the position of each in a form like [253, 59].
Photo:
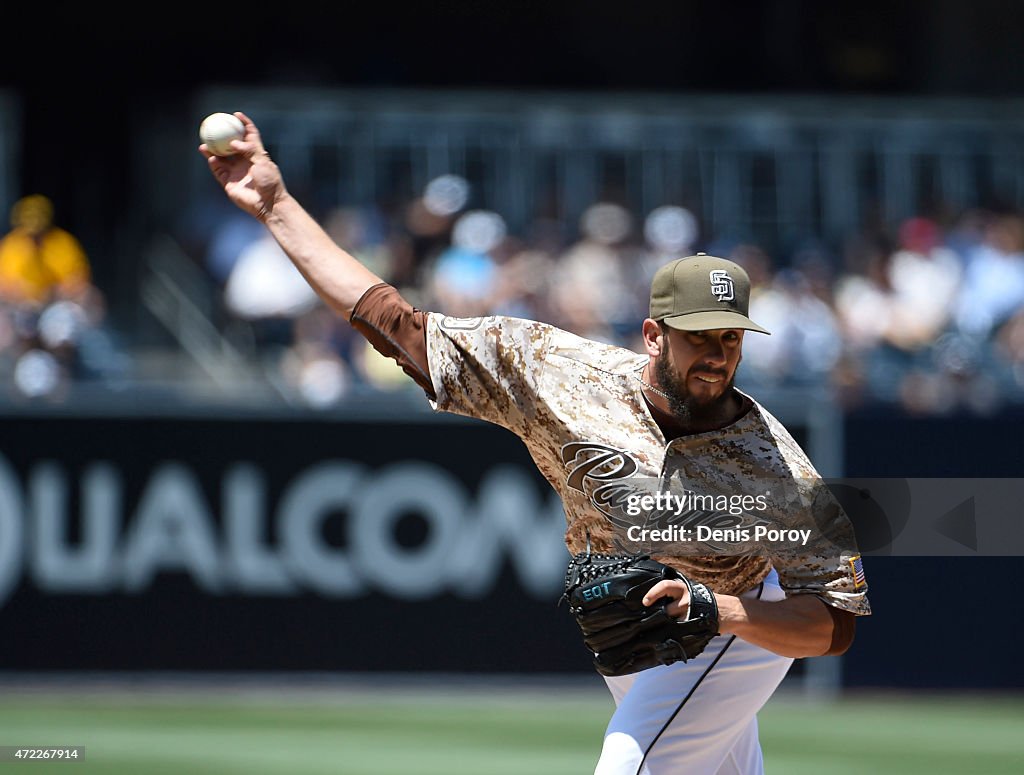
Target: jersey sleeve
[488, 368]
[830, 566]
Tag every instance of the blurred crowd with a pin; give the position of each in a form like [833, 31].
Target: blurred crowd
[927, 314]
[54, 331]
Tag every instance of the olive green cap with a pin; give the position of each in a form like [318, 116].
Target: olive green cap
[702, 293]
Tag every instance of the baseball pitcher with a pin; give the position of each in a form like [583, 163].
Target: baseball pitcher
[705, 553]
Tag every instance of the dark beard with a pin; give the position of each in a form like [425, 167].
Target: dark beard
[686, 409]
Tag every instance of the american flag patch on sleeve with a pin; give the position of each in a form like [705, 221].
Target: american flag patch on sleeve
[858, 572]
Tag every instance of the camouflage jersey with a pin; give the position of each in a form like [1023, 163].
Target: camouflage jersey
[578, 406]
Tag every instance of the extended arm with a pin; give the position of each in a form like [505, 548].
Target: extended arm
[254, 183]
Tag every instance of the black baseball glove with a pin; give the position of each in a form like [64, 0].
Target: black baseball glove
[605, 594]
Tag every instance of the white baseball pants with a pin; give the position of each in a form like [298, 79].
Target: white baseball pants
[697, 717]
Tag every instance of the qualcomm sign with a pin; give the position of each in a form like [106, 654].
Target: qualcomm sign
[172, 528]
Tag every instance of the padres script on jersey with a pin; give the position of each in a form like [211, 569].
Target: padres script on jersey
[579, 408]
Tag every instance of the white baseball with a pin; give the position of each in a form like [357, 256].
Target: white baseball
[218, 130]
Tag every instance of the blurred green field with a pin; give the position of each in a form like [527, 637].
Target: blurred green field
[429, 733]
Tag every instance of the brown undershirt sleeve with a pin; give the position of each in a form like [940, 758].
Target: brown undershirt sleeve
[844, 624]
[396, 330]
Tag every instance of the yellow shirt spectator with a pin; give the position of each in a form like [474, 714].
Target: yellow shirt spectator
[37, 259]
